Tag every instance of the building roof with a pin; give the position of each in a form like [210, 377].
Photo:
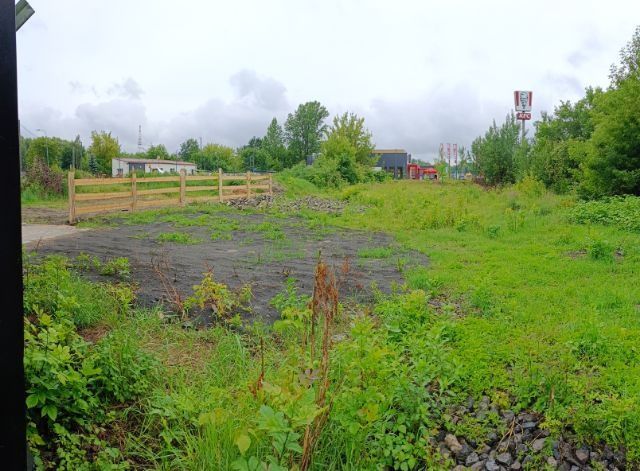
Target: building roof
[389, 151]
[153, 161]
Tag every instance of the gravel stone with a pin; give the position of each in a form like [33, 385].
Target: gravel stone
[538, 444]
[473, 458]
[453, 444]
[504, 458]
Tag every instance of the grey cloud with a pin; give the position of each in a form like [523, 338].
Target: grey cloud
[590, 46]
[231, 124]
[563, 83]
[128, 88]
[120, 117]
[453, 115]
[265, 93]
[80, 88]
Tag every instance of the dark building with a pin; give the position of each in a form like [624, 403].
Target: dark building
[394, 161]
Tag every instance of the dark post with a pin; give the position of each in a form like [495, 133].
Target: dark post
[12, 409]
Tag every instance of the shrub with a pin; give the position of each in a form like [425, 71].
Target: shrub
[126, 370]
[619, 211]
[44, 180]
[70, 384]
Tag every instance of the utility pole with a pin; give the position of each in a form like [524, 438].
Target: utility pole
[46, 144]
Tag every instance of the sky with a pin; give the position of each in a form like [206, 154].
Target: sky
[419, 72]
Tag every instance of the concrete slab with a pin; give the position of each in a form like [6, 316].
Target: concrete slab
[36, 232]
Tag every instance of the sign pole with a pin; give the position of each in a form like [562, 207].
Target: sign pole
[13, 446]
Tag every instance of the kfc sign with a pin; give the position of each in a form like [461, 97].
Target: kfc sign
[523, 116]
[523, 100]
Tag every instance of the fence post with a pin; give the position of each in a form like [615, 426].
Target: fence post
[220, 184]
[134, 191]
[71, 184]
[270, 185]
[183, 185]
[248, 184]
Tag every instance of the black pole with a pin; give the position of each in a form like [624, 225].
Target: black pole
[12, 409]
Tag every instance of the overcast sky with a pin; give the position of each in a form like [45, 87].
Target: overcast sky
[420, 72]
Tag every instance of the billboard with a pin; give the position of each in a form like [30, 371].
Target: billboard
[523, 100]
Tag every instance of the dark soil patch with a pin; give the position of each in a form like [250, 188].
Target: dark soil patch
[247, 255]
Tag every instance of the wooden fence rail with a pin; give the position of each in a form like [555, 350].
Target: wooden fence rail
[136, 196]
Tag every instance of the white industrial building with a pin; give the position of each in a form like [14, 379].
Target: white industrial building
[122, 167]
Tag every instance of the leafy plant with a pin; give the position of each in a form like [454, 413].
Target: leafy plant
[178, 238]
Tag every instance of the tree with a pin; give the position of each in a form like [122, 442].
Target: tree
[157, 152]
[274, 145]
[48, 148]
[613, 158]
[495, 152]
[304, 130]
[559, 147]
[214, 156]
[104, 148]
[93, 164]
[346, 153]
[253, 156]
[78, 153]
[189, 149]
[629, 61]
[351, 127]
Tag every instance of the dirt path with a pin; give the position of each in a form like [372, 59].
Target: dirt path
[44, 215]
[242, 256]
[35, 233]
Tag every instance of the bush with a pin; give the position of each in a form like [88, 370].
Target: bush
[44, 180]
[622, 212]
[53, 288]
[71, 384]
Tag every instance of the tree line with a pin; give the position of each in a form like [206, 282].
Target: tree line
[341, 151]
[591, 146]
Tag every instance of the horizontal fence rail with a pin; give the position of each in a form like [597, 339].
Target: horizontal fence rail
[96, 195]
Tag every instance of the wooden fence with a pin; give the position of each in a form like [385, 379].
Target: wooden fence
[135, 196]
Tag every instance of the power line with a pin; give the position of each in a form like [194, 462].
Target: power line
[28, 130]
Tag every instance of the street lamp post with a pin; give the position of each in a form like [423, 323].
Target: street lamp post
[46, 144]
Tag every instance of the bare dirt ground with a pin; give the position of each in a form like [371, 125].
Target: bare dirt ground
[44, 215]
[246, 256]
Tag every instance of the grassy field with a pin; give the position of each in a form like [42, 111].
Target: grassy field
[525, 304]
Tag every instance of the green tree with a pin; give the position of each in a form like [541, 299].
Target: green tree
[629, 61]
[157, 152]
[93, 164]
[273, 144]
[495, 152]
[48, 148]
[559, 146]
[253, 156]
[613, 160]
[104, 147]
[304, 130]
[351, 127]
[214, 156]
[346, 153]
[188, 150]
[78, 160]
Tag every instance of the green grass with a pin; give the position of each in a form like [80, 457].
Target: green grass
[538, 312]
[178, 238]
